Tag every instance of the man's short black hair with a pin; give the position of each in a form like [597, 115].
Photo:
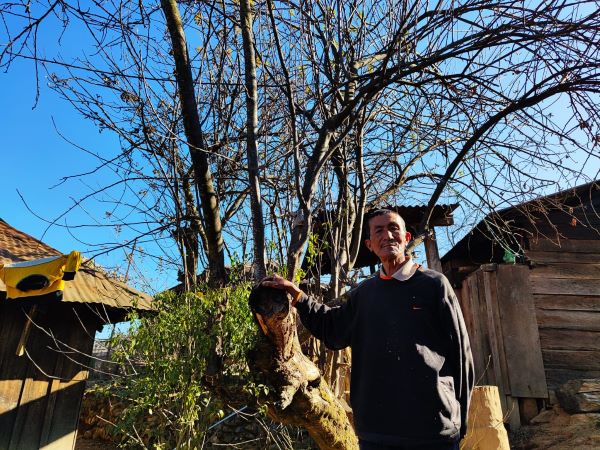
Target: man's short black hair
[380, 212]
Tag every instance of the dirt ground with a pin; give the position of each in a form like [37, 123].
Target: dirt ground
[554, 429]
[90, 444]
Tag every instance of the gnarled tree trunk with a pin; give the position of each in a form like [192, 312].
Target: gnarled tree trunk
[299, 394]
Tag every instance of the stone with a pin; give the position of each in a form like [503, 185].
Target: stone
[580, 396]
[584, 419]
[545, 416]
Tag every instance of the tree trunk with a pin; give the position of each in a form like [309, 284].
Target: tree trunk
[299, 394]
[258, 227]
[193, 132]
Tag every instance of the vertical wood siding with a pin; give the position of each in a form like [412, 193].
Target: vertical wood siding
[40, 392]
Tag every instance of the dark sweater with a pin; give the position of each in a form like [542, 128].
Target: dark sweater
[412, 369]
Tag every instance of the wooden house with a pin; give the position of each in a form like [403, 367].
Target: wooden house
[41, 390]
[531, 296]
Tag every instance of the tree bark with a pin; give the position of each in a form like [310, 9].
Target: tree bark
[193, 132]
[300, 396]
[258, 227]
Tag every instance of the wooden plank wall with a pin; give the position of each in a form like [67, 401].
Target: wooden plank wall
[565, 282]
[500, 315]
[41, 392]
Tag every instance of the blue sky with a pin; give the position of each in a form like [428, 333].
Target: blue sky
[35, 157]
[39, 148]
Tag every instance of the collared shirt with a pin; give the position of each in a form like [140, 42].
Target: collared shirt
[405, 271]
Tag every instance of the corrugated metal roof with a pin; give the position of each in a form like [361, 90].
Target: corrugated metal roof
[91, 285]
[412, 215]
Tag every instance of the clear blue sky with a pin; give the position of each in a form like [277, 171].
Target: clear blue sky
[36, 157]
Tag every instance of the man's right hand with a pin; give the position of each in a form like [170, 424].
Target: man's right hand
[278, 282]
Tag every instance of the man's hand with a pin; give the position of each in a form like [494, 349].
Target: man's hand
[279, 282]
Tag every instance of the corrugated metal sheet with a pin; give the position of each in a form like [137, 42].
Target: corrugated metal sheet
[91, 285]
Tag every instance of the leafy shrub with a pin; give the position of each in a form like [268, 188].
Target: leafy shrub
[164, 359]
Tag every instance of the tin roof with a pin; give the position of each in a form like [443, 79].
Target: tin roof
[441, 216]
[91, 285]
[572, 213]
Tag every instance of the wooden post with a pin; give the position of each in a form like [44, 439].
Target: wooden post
[431, 251]
[485, 428]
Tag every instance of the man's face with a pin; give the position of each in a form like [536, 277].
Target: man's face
[388, 238]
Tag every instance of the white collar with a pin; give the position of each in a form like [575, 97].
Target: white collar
[405, 271]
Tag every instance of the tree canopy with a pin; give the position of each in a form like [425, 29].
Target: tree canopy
[230, 114]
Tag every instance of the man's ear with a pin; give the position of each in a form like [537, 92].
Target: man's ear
[368, 244]
[407, 236]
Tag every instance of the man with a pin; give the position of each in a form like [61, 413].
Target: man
[412, 369]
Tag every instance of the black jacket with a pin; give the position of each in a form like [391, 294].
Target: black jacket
[412, 368]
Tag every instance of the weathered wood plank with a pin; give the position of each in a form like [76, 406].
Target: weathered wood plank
[545, 231]
[557, 377]
[31, 409]
[512, 416]
[572, 359]
[73, 372]
[568, 302]
[495, 332]
[528, 409]
[565, 286]
[432, 253]
[553, 339]
[571, 320]
[32, 404]
[566, 245]
[48, 408]
[562, 257]
[491, 356]
[55, 386]
[520, 333]
[584, 220]
[12, 371]
[484, 366]
[563, 270]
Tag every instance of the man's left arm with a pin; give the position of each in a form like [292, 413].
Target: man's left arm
[463, 368]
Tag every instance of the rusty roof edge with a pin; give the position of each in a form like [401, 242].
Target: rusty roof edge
[97, 275]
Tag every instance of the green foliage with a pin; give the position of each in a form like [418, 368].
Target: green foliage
[509, 257]
[165, 357]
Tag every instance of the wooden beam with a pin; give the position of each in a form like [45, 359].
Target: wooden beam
[567, 302]
[432, 253]
[553, 339]
[568, 320]
[562, 257]
[25, 333]
[565, 286]
[587, 271]
[565, 245]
